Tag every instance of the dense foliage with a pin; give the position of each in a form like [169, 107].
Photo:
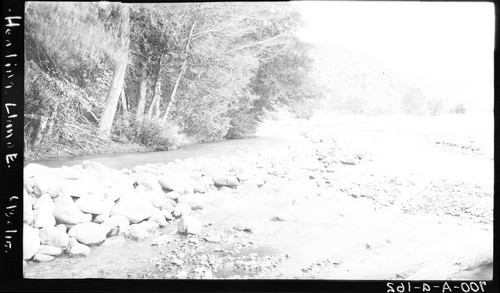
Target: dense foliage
[192, 71]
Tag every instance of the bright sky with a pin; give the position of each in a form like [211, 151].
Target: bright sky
[419, 39]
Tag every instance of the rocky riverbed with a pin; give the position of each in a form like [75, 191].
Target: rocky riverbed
[323, 205]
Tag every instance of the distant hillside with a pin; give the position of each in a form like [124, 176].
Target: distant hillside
[355, 82]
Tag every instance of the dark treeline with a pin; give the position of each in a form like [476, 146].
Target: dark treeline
[159, 75]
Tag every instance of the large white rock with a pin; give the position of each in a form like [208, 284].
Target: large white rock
[88, 233]
[181, 184]
[151, 226]
[95, 204]
[40, 257]
[182, 209]
[189, 225]
[73, 173]
[33, 169]
[194, 200]
[116, 221]
[45, 201]
[50, 250]
[158, 218]
[149, 181]
[54, 237]
[47, 184]
[31, 241]
[138, 232]
[79, 250]
[43, 218]
[224, 180]
[94, 165]
[133, 209]
[99, 219]
[65, 211]
[77, 188]
[27, 208]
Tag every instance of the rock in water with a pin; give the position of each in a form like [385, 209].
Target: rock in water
[50, 250]
[88, 233]
[116, 221]
[229, 181]
[31, 241]
[79, 250]
[40, 257]
[138, 232]
[65, 211]
[189, 225]
[135, 210]
[54, 237]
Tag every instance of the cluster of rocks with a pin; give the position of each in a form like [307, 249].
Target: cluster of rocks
[69, 209]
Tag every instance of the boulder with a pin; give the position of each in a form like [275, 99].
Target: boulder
[94, 204]
[151, 226]
[77, 188]
[33, 169]
[62, 227]
[158, 218]
[181, 184]
[45, 201]
[99, 219]
[54, 237]
[149, 181]
[65, 211]
[43, 218]
[88, 233]
[116, 221]
[31, 241]
[167, 205]
[50, 250]
[172, 195]
[133, 209]
[73, 173]
[347, 161]
[39, 257]
[138, 232]
[182, 209]
[93, 165]
[195, 201]
[27, 208]
[168, 215]
[189, 225]
[28, 184]
[46, 184]
[224, 180]
[79, 250]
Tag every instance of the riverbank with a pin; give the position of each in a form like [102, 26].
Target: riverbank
[336, 199]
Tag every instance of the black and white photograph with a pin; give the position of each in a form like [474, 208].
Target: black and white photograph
[300, 140]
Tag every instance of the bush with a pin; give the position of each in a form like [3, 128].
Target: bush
[458, 109]
[149, 133]
[355, 104]
[435, 106]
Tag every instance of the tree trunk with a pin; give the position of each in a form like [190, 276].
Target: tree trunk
[182, 70]
[40, 130]
[155, 103]
[123, 99]
[141, 98]
[116, 86]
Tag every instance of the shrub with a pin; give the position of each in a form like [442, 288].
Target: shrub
[150, 133]
[458, 109]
